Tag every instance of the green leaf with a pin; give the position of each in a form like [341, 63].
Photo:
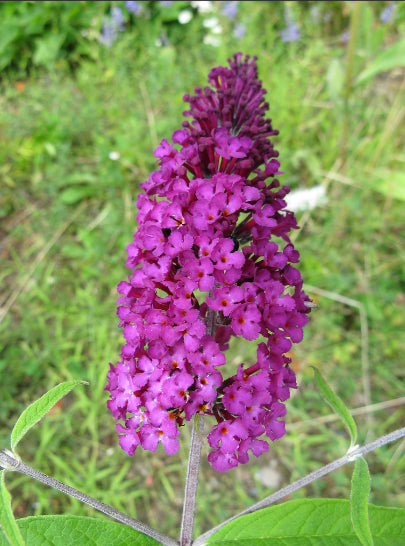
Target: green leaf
[73, 195]
[389, 183]
[337, 405]
[80, 178]
[392, 57]
[7, 522]
[48, 49]
[80, 531]
[310, 522]
[8, 33]
[359, 502]
[34, 413]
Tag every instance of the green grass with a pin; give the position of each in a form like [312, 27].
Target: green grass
[67, 213]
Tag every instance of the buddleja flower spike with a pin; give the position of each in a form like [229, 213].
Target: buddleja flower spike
[211, 260]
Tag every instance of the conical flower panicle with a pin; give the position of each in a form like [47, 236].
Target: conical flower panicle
[235, 107]
[205, 267]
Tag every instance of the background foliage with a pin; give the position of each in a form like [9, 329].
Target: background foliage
[86, 94]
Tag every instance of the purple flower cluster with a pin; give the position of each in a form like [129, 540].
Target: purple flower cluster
[205, 267]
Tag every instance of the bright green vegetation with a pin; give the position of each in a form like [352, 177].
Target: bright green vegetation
[67, 213]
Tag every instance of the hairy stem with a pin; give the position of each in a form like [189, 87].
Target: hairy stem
[190, 492]
[302, 482]
[10, 462]
[194, 457]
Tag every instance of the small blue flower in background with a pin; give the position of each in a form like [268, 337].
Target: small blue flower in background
[345, 37]
[133, 7]
[117, 18]
[292, 32]
[111, 26]
[387, 12]
[239, 30]
[229, 9]
[108, 33]
[315, 13]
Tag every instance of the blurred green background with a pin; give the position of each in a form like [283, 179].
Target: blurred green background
[88, 89]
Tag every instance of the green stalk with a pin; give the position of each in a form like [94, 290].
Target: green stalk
[351, 52]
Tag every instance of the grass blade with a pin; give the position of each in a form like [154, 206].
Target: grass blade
[392, 57]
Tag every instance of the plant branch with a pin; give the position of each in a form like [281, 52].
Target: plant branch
[302, 482]
[190, 492]
[9, 462]
[194, 458]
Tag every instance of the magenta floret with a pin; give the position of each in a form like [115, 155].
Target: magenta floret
[211, 260]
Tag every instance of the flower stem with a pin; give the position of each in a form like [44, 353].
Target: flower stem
[190, 492]
[194, 457]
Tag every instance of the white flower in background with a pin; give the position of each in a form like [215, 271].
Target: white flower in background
[114, 156]
[210, 39]
[306, 199]
[213, 24]
[185, 17]
[203, 7]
